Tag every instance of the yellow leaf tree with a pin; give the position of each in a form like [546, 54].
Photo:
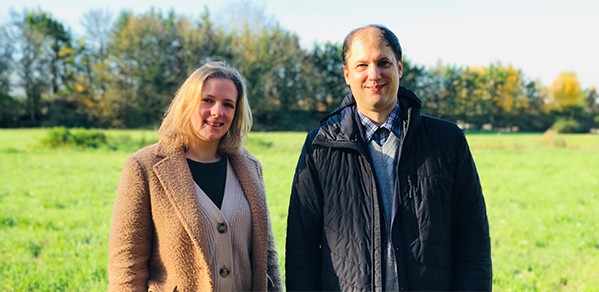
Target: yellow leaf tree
[565, 92]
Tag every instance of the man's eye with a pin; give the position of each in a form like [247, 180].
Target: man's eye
[385, 63]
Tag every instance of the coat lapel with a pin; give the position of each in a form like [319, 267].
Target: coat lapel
[250, 178]
[175, 177]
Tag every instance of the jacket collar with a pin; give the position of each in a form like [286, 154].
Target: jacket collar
[407, 99]
[342, 125]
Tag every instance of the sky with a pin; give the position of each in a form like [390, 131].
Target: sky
[541, 37]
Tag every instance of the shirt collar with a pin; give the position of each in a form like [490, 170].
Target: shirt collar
[393, 123]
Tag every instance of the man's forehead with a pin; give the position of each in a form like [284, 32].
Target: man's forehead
[370, 49]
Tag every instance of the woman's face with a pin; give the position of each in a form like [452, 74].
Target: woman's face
[216, 110]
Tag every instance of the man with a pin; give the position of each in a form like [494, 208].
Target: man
[385, 198]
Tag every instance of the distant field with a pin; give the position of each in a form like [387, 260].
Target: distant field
[542, 194]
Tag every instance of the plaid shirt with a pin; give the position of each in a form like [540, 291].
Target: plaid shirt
[380, 133]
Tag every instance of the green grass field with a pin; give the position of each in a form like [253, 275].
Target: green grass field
[542, 194]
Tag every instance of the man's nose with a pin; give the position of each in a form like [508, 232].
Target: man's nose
[374, 72]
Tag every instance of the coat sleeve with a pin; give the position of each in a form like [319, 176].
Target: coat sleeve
[273, 269]
[304, 227]
[130, 231]
[471, 242]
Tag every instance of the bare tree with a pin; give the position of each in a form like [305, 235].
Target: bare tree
[97, 25]
[243, 14]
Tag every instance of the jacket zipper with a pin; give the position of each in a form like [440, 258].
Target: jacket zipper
[406, 126]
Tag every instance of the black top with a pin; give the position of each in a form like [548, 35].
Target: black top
[211, 178]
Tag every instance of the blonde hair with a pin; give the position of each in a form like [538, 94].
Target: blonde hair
[177, 128]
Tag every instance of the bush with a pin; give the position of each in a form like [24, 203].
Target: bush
[553, 139]
[568, 126]
[61, 136]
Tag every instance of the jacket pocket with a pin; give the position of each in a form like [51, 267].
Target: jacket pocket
[410, 201]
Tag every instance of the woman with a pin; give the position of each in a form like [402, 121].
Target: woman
[190, 212]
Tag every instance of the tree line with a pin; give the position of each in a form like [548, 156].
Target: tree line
[124, 70]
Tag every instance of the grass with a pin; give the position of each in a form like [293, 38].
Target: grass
[542, 201]
[542, 194]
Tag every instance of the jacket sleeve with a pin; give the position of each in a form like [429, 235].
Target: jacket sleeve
[130, 231]
[304, 227]
[471, 243]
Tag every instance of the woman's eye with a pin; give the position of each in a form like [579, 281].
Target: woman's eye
[229, 105]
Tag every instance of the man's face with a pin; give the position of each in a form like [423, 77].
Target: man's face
[373, 73]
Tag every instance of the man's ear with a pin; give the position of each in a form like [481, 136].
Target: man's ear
[346, 74]
[400, 68]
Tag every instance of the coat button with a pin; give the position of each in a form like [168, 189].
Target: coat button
[222, 228]
[224, 272]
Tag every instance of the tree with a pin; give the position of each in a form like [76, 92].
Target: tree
[6, 52]
[565, 92]
[445, 87]
[140, 54]
[415, 77]
[10, 108]
[41, 59]
[197, 44]
[92, 71]
[592, 106]
[504, 88]
[326, 86]
[270, 59]
[533, 118]
[56, 46]
[31, 66]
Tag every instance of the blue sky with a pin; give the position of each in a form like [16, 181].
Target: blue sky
[541, 37]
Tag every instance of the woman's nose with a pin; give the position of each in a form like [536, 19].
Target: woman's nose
[217, 110]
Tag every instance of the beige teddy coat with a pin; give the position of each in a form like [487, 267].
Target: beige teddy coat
[156, 236]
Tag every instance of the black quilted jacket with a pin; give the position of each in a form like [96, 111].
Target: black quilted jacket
[440, 230]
